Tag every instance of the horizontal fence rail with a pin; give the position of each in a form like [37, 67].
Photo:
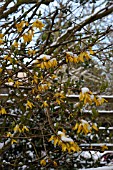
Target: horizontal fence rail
[74, 98]
[71, 98]
[95, 146]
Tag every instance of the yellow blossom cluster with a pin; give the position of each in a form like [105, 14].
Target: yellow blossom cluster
[38, 24]
[91, 51]
[10, 80]
[35, 79]
[59, 97]
[31, 52]
[70, 57]
[44, 87]
[99, 100]
[67, 144]
[44, 161]
[9, 135]
[17, 84]
[20, 128]
[27, 37]
[88, 97]
[17, 128]
[47, 64]
[15, 44]
[1, 38]
[29, 105]
[104, 147]
[84, 127]
[20, 25]
[45, 104]
[8, 58]
[54, 76]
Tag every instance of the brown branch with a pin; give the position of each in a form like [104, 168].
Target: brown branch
[19, 3]
[71, 31]
[3, 8]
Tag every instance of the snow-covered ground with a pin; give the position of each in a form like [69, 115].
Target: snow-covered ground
[109, 167]
[96, 156]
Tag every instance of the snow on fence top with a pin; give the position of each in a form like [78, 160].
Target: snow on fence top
[74, 98]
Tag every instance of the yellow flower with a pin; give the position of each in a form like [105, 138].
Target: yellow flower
[76, 126]
[17, 84]
[64, 147]
[38, 97]
[54, 76]
[1, 38]
[87, 99]
[45, 104]
[17, 129]
[53, 62]
[15, 44]
[10, 80]
[43, 162]
[55, 164]
[82, 127]
[99, 101]
[9, 134]
[35, 79]
[27, 38]
[20, 25]
[38, 24]
[94, 127]
[69, 57]
[42, 65]
[51, 138]
[58, 101]
[75, 59]
[3, 111]
[13, 141]
[104, 147]
[31, 52]
[91, 51]
[87, 56]
[86, 96]
[49, 63]
[1, 35]
[1, 70]
[8, 58]
[86, 128]
[59, 95]
[56, 139]
[25, 128]
[29, 104]
[79, 128]
[73, 147]
[66, 143]
[1, 41]
[80, 57]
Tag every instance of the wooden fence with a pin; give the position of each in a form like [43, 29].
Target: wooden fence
[102, 113]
